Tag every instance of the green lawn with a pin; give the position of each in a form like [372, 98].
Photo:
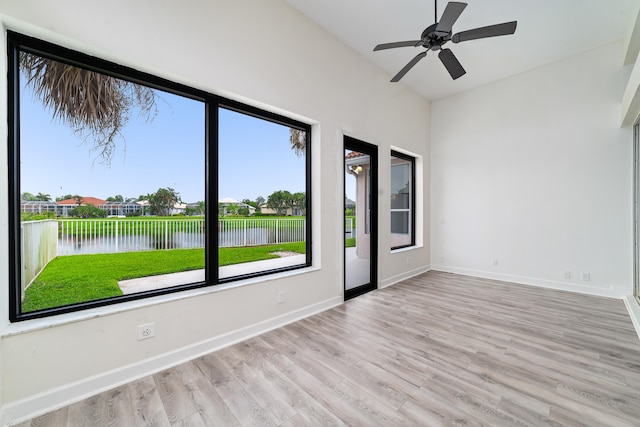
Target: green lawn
[80, 278]
[229, 256]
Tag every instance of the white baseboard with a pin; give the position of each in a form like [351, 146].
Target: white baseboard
[633, 307]
[403, 276]
[51, 400]
[602, 291]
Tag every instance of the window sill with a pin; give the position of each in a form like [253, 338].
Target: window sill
[405, 249]
[33, 325]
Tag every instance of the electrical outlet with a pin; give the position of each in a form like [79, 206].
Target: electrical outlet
[566, 274]
[495, 262]
[586, 276]
[282, 297]
[146, 331]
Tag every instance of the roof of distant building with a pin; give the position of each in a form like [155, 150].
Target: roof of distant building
[354, 154]
[229, 200]
[93, 201]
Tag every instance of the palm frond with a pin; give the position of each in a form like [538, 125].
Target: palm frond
[97, 107]
[298, 141]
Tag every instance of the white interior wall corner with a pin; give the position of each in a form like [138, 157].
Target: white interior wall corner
[631, 42]
[533, 172]
[630, 109]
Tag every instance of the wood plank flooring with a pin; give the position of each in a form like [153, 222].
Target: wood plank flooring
[437, 349]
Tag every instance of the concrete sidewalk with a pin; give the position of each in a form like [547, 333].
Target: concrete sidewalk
[162, 281]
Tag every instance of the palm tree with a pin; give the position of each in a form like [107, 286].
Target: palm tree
[94, 105]
[43, 197]
[298, 141]
[97, 106]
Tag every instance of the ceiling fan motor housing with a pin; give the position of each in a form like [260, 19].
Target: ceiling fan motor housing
[432, 39]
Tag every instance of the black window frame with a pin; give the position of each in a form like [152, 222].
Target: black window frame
[278, 119]
[16, 43]
[412, 198]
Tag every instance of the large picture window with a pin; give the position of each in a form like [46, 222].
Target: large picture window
[402, 200]
[115, 177]
[262, 169]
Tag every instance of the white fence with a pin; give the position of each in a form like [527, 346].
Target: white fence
[115, 235]
[39, 246]
[251, 232]
[348, 226]
[118, 235]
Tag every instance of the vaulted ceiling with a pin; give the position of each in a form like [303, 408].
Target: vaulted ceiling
[548, 31]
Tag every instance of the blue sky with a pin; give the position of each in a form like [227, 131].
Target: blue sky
[256, 159]
[255, 156]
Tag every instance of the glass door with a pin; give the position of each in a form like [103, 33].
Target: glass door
[360, 217]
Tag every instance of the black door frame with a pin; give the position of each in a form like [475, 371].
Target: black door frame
[372, 150]
[636, 209]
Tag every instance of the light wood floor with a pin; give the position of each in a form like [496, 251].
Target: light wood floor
[438, 349]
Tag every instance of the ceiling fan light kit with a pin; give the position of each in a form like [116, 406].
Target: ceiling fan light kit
[436, 35]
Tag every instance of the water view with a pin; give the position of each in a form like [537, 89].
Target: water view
[104, 236]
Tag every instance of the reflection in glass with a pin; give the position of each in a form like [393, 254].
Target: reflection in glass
[357, 217]
[401, 209]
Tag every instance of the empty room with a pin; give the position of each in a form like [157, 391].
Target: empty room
[431, 218]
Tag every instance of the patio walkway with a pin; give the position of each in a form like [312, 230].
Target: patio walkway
[142, 284]
[357, 273]
[357, 269]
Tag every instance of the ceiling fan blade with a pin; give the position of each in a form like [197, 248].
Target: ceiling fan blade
[449, 17]
[451, 63]
[408, 43]
[409, 66]
[503, 29]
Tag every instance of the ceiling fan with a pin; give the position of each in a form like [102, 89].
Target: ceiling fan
[436, 35]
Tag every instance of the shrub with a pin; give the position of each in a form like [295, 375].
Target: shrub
[30, 216]
[87, 211]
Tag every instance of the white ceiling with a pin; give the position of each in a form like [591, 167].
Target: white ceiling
[548, 30]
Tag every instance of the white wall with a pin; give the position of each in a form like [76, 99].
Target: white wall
[257, 51]
[535, 172]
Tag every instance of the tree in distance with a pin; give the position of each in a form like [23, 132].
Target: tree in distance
[162, 201]
[65, 197]
[87, 211]
[282, 200]
[40, 197]
[279, 201]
